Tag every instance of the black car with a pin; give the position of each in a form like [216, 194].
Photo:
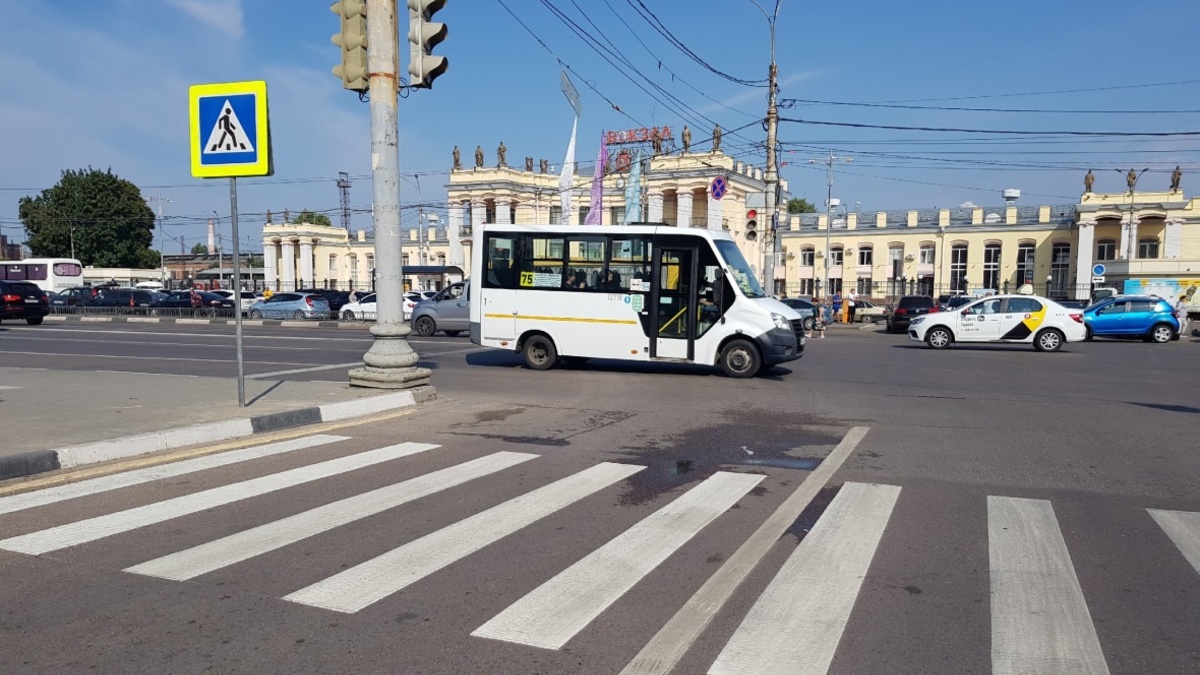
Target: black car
[183, 301]
[55, 299]
[806, 309]
[906, 308]
[23, 300]
[122, 298]
[947, 303]
[78, 294]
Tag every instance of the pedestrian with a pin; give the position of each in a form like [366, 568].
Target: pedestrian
[819, 321]
[837, 305]
[1181, 313]
[195, 300]
[353, 296]
[851, 301]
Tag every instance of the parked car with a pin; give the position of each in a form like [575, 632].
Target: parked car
[1027, 319]
[449, 311]
[55, 299]
[806, 308]
[866, 311]
[23, 300]
[131, 299]
[78, 294]
[1072, 304]
[335, 298]
[291, 306]
[948, 303]
[247, 298]
[361, 310]
[176, 303]
[1142, 316]
[906, 309]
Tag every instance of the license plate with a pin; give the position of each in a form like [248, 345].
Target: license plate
[32, 301]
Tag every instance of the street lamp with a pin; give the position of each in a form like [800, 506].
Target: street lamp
[220, 258]
[162, 250]
[1131, 180]
[771, 179]
[829, 204]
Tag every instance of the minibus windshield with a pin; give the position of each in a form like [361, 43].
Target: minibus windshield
[740, 269]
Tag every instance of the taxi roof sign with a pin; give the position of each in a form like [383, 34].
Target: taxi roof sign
[230, 136]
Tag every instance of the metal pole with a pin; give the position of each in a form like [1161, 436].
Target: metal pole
[829, 219]
[772, 175]
[237, 291]
[390, 362]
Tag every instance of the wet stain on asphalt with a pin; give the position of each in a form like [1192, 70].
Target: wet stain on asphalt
[527, 440]
[812, 513]
[748, 441]
[913, 590]
[498, 415]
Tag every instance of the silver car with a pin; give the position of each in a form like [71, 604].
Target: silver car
[291, 306]
[449, 311]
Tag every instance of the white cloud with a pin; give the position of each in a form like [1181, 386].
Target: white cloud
[223, 15]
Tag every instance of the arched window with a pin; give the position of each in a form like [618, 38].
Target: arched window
[1060, 268]
[404, 259]
[991, 266]
[835, 256]
[807, 255]
[1106, 249]
[1025, 262]
[958, 268]
[1147, 248]
[441, 259]
[333, 269]
[927, 254]
[866, 255]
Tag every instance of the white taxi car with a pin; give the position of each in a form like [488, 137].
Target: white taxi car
[1002, 318]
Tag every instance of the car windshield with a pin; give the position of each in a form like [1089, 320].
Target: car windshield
[740, 269]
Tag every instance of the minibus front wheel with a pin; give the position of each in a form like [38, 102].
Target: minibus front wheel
[740, 358]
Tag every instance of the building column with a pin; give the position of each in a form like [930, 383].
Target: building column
[1172, 242]
[306, 263]
[656, 207]
[271, 264]
[683, 215]
[1083, 260]
[454, 234]
[1128, 233]
[478, 212]
[503, 213]
[715, 212]
[287, 280]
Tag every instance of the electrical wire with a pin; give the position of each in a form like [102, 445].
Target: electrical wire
[855, 125]
[658, 25]
[896, 106]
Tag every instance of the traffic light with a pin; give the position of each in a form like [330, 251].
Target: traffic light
[751, 225]
[423, 36]
[353, 42]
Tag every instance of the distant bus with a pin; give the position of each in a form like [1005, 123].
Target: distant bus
[50, 274]
[637, 293]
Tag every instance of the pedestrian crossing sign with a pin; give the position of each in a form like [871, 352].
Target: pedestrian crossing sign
[230, 136]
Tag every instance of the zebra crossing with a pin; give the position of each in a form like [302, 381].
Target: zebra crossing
[1040, 619]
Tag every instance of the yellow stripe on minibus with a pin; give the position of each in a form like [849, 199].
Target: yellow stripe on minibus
[561, 318]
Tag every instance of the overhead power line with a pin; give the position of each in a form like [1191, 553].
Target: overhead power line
[657, 24]
[994, 110]
[1042, 93]
[990, 131]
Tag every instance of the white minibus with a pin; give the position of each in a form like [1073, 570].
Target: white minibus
[640, 293]
[50, 274]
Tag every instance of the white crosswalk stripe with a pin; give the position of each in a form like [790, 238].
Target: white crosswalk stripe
[1040, 620]
[256, 541]
[797, 622]
[553, 613]
[72, 534]
[370, 582]
[29, 500]
[1183, 528]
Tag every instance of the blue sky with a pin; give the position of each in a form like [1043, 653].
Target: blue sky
[104, 83]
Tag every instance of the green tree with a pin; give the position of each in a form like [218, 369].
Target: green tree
[311, 218]
[199, 249]
[800, 205]
[110, 223]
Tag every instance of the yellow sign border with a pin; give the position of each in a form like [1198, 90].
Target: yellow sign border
[261, 166]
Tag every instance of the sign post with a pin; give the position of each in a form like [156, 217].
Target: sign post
[230, 137]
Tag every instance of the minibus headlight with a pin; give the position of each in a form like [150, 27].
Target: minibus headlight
[781, 322]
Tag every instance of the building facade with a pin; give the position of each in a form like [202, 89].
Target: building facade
[1053, 248]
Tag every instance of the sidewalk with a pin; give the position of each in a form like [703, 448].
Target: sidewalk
[66, 418]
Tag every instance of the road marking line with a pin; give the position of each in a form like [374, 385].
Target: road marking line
[73, 534]
[367, 583]
[189, 359]
[796, 624]
[250, 336]
[1183, 528]
[674, 639]
[223, 344]
[1040, 620]
[245, 545]
[261, 376]
[553, 613]
[3, 388]
[28, 500]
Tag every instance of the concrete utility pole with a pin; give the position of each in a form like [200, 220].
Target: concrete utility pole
[390, 362]
[162, 244]
[833, 159]
[770, 240]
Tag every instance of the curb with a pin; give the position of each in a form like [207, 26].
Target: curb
[41, 461]
[183, 321]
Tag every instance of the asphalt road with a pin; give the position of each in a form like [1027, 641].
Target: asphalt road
[1005, 508]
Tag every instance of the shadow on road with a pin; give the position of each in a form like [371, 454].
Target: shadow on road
[505, 359]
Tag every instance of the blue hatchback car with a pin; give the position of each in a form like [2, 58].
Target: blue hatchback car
[1144, 316]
